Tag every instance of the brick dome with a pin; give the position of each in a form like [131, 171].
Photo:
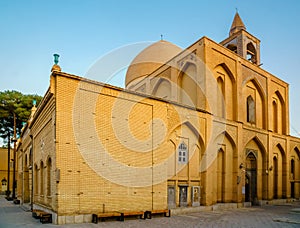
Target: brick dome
[151, 58]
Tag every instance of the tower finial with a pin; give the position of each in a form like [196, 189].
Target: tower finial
[56, 56]
[161, 37]
[236, 10]
[56, 67]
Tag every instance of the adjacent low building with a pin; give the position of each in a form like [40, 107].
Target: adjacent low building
[4, 170]
[199, 126]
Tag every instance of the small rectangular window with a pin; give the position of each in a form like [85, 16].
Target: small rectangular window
[182, 153]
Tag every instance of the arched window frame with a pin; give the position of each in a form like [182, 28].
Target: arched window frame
[251, 110]
[221, 96]
[275, 116]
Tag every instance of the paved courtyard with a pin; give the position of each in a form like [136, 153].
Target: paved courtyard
[287, 215]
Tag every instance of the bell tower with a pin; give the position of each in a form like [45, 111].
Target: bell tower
[241, 42]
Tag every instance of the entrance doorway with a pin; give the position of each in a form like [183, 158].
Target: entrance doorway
[171, 197]
[292, 189]
[292, 178]
[251, 179]
[183, 196]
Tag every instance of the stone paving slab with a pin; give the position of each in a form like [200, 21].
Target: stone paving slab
[12, 215]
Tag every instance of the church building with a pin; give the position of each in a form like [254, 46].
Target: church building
[203, 126]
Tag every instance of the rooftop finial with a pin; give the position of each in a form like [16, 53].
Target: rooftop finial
[236, 10]
[56, 56]
[161, 37]
[56, 67]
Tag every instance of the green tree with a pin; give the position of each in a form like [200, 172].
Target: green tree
[14, 103]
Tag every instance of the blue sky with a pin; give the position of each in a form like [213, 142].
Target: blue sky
[82, 31]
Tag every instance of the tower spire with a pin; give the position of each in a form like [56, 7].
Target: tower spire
[237, 24]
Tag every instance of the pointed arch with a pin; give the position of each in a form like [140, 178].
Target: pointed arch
[260, 145]
[162, 89]
[229, 137]
[281, 171]
[283, 153]
[281, 106]
[297, 150]
[196, 133]
[256, 146]
[253, 88]
[257, 84]
[227, 91]
[227, 70]
[281, 149]
[226, 166]
[187, 84]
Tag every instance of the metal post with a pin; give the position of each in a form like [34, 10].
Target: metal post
[14, 161]
[8, 165]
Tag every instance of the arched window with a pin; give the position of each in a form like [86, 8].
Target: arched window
[251, 53]
[49, 177]
[275, 116]
[182, 153]
[221, 97]
[250, 110]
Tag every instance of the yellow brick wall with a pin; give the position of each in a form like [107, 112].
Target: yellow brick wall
[121, 136]
[43, 147]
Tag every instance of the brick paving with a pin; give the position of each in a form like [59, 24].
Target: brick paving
[287, 215]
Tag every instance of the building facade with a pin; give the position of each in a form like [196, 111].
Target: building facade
[4, 170]
[199, 126]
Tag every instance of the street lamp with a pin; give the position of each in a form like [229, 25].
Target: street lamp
[14, 140]
[8, 167]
